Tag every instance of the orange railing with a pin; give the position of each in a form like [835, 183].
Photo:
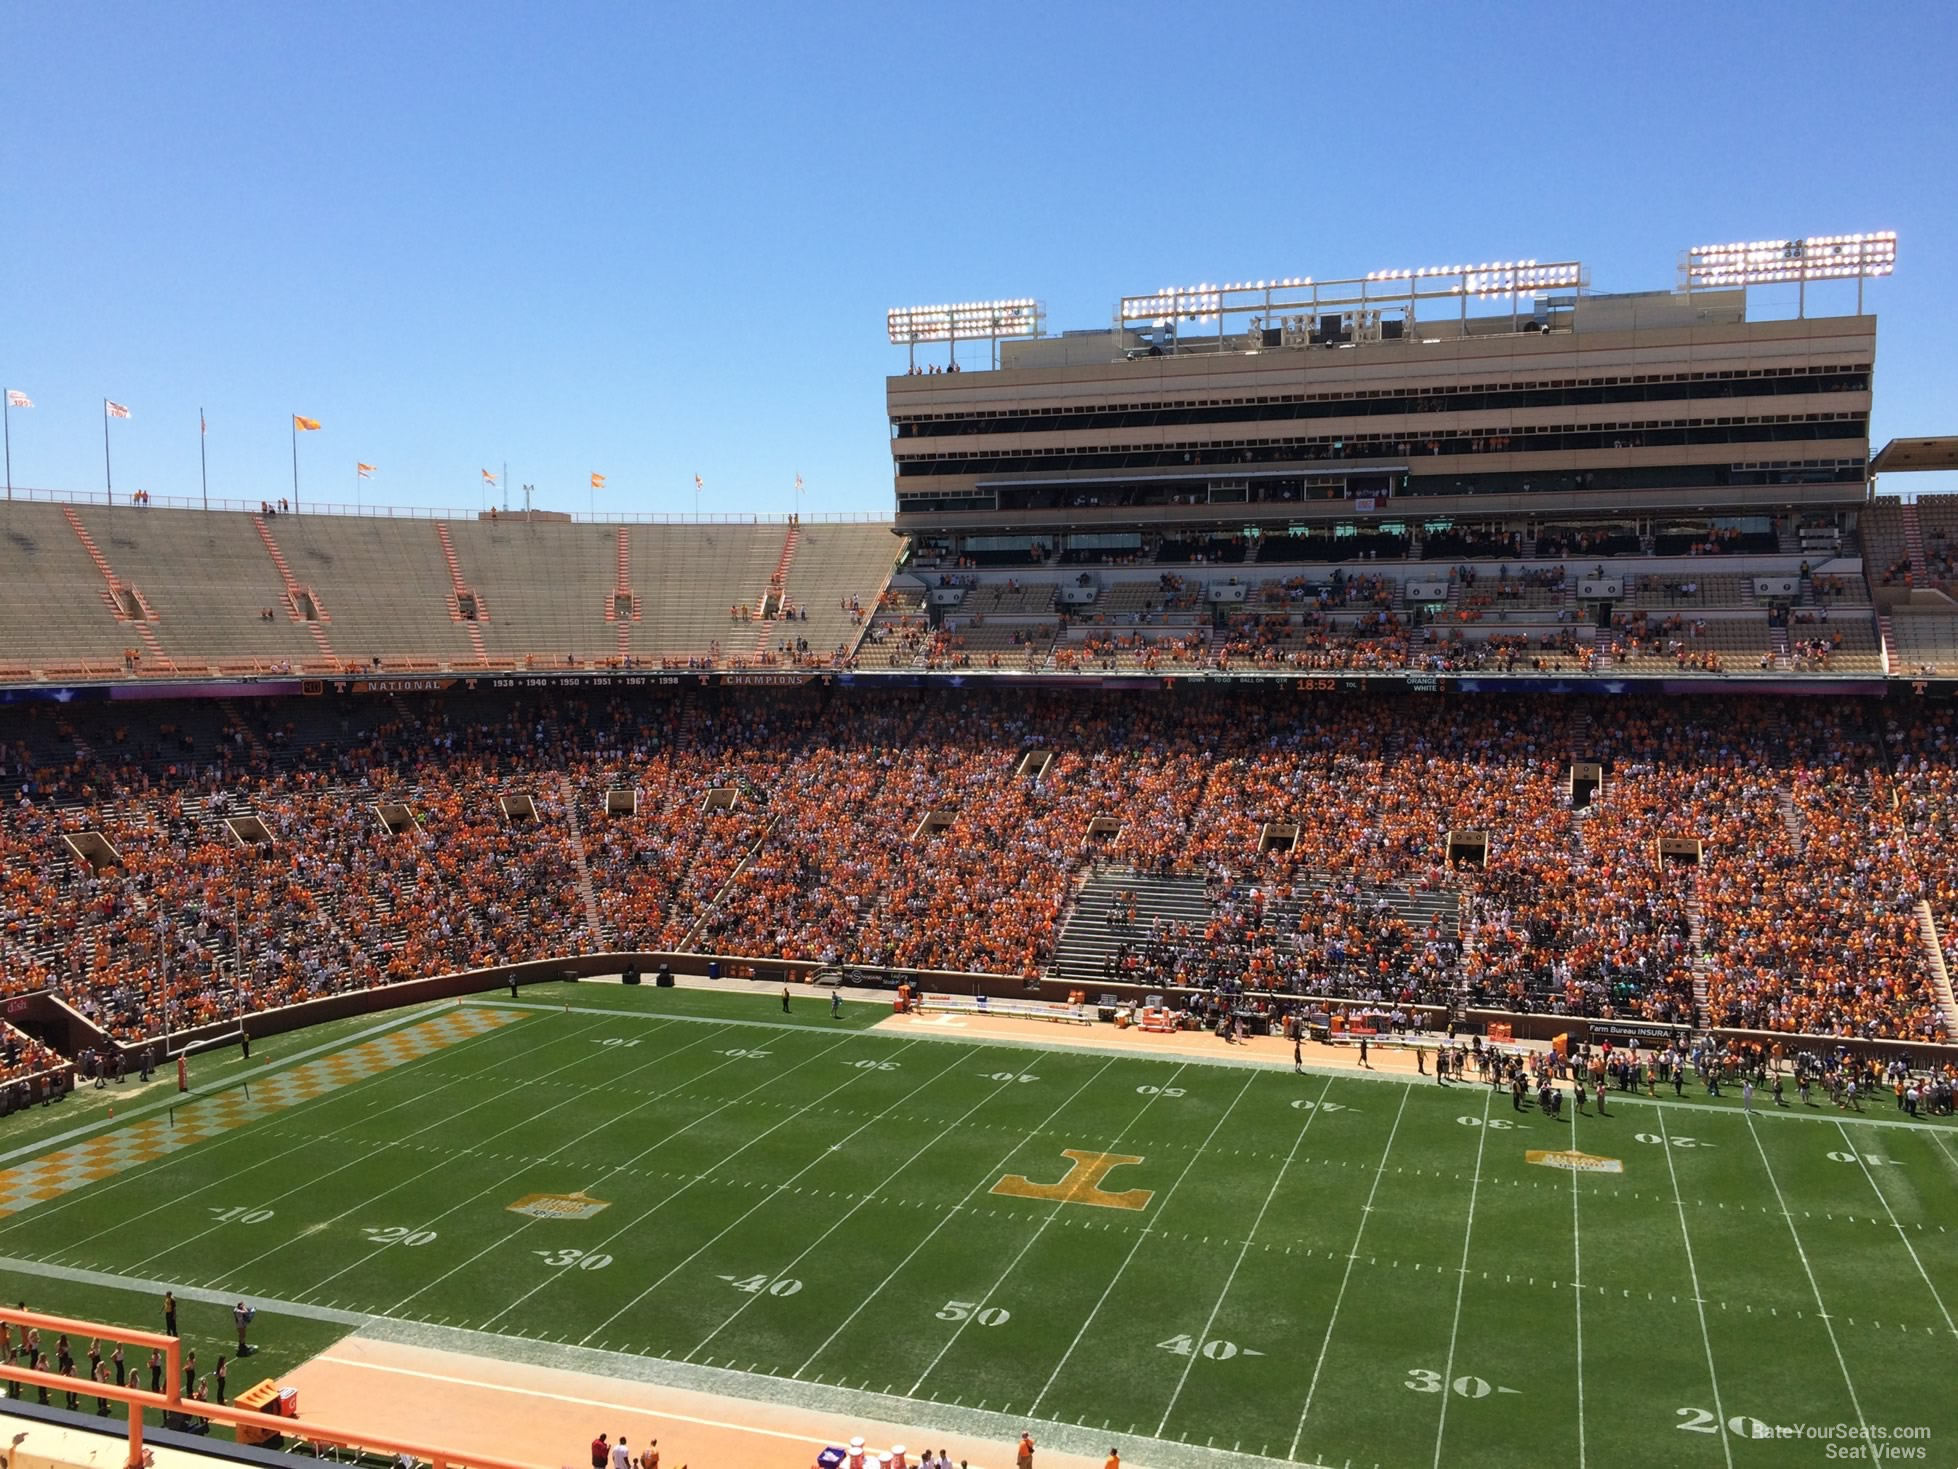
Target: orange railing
[135, 1400]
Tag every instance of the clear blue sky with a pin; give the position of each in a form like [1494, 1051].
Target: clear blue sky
[656, 241]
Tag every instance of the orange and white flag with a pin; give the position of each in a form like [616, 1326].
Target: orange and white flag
[304, 425]
[598, 482]
[365, 471]
[114, 410]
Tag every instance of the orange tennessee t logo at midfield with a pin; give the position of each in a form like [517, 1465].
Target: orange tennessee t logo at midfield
[1081, 1184]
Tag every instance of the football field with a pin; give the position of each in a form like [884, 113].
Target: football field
[1206, 1260]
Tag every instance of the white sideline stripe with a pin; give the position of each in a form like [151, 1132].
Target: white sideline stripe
[946, 1217]
[108, 1281]
[1699, 1300]
[269, 1068]
[1821, 1309]
[1040, 1229]
[1352, 1257]
[1849, 1143]
[637, 1409]
[769, 1196]
[726, 1382]
[1341, 1073]
[841, 1219]
[1209, 1321]
[1461, 1277]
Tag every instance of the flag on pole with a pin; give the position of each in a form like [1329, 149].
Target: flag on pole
[18, 399]
[364, 471]
[489, 479]
[798, 482]
[598, 482]
[304, 425]
[114, 410]
[697, 485]
[202, 427]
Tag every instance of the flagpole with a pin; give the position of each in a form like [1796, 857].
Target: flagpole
[295, 462]
[203, 460]
[108, 471]
[7, 427]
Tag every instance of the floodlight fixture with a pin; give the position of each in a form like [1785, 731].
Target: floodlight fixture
[963, 321]
[1780, 262]
[1491, 279]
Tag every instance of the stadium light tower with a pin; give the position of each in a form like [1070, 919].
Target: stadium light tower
[1777, 262]
[967, 320]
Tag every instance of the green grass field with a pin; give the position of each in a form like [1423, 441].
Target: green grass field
[1325, 1269]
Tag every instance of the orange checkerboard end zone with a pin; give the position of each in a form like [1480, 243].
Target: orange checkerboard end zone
[47, 1177]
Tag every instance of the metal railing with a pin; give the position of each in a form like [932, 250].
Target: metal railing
[423, 512]
[173, 1402]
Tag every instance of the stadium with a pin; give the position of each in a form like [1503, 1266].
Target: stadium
[1106, 927]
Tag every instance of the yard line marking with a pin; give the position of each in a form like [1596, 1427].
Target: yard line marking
[534, 1220]
[1211, 1320]
[1461, 1279]
[1862, 1163]
[357, 1162]
[947, 1216]
[1577, 1279]
[1821, 1309]
[1353, 1254]
[568, 1101]
[937, 1137]
[1142, 1236]
[174, 1200]
[1041, 1229]
[768, 1197]
[1699, 1301]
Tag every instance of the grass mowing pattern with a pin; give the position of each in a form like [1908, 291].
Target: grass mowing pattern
[1321, 1273]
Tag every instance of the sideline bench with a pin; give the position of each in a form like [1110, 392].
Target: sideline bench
[1012, 1009]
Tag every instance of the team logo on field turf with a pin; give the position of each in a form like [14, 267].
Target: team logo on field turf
[559, 1206]
[1575, 1161]
[1081, 1184]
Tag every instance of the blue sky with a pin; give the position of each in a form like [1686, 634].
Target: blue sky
[658, 241]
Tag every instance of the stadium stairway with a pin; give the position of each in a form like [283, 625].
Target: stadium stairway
[1927, 932]
[1081, 955]
[234, 718]
[296, 595]
[1914, 544]
[569, 795]
[1696, 934]
[459, 592]
[116, 590]
[1791, 819]
[624, 610]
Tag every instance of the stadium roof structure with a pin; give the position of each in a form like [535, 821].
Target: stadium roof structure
[1903, 456]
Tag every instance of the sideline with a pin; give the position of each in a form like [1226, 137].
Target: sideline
[1691, 1104]
[406, 1015]
[724, 1382]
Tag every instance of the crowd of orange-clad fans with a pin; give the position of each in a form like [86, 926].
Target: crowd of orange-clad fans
[909, 829]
